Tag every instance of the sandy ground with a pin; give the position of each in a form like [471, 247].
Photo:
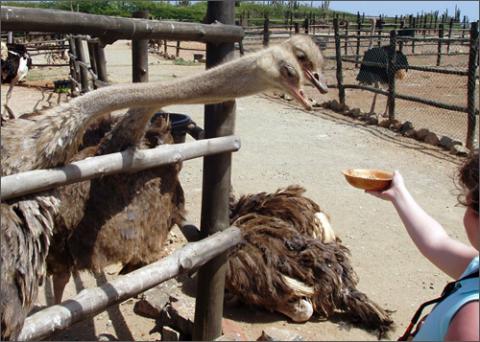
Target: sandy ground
[282, 145]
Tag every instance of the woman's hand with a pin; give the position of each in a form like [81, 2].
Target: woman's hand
[392, 193]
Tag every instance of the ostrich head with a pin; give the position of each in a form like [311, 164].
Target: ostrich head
[280, 69]
[310, 58]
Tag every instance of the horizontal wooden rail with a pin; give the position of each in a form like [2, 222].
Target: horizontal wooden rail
[409, 98]
[92, 301]
[127, 161]
[415, 67]
[110, 28]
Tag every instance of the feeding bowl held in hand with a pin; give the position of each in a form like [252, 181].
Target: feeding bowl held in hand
[369, 179]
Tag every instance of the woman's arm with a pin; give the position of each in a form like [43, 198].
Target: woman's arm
[448, 254]
[464, 325]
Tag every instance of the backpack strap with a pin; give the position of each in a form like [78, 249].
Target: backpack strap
[447, 291]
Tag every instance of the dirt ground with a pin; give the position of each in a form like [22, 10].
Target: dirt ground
[282, 145]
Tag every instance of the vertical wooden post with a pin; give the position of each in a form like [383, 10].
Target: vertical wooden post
[219, 121]
[297, 28]
[91, 56]
[424, 25]
[100, 62]
[74, 72]
[414, 26]
[379, 31]
[338, 55]
[346, 38]
[240, 43]
[266, 33]
[400, 43]
[83, 71]
[439, 48]
[472, 70]
[165, 48]
[140, 54]
[177, 49]
[391, 75]
[305, 25]
[359, 32]
[450, 25]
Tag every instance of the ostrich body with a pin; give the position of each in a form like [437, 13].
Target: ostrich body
[53, 138]
[287, 263]
[374, 69]
[109, 211]
[15, 63]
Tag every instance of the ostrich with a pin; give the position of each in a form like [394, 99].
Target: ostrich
[90, 244]
[374, 68]
[52, 139]
[16, 62]
[291, 262]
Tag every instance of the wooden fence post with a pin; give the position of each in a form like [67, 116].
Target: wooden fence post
[338, 55]
[266, 33]
[346, 38]
[439, 49]
[100, 62]
[391, 75]
[297, 28]
[219, 121]
[359, 32]
[450, 25]
[81, 58]
[414, 25]
[177, 49]
[140, 54]
[305, 25]
[472, 70]
[91, 56]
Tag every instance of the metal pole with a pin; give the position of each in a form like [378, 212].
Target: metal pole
[472, 70]
[219, 121]
[140, 54]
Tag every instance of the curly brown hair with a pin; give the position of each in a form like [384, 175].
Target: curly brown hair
[468, 179]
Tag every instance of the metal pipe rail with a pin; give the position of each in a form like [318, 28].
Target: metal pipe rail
[110, 29]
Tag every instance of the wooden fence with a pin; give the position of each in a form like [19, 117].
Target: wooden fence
[219, 122]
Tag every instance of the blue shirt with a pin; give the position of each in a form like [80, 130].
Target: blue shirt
[436, 324]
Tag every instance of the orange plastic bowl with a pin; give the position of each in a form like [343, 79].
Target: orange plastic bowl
[369, 179]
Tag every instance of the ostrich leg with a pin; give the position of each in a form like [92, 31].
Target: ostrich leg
[372, 108]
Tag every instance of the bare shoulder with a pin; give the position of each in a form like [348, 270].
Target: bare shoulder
[465, 324]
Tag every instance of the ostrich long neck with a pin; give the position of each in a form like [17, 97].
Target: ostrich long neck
[56, 136]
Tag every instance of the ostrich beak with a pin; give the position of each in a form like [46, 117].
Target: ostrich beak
[318, 80]
[300, 96]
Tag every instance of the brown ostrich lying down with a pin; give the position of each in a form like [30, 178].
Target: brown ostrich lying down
[287, 263]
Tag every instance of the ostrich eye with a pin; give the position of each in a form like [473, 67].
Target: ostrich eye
[301, 56]
[288, 71]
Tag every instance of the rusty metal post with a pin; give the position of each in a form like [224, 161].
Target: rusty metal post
[219, 121]
[140, 54]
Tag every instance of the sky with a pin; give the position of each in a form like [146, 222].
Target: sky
[392, 8]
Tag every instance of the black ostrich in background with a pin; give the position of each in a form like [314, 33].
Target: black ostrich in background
[374, 67]
[377, 75]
